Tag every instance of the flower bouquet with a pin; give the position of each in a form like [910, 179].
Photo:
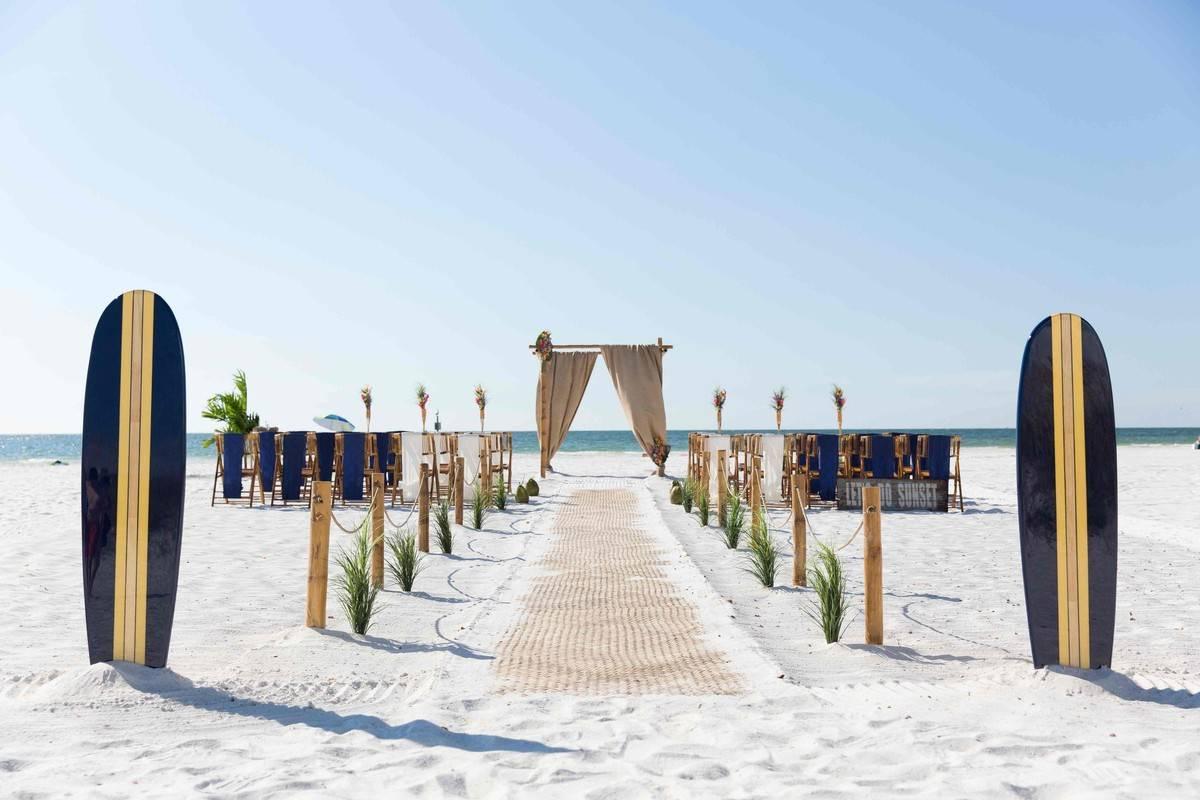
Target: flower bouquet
[543, 348]
[839, 402]
[777, 399]
[718, 404]
[481, 401]
[365, 394]
[658, 454]
[422, 401]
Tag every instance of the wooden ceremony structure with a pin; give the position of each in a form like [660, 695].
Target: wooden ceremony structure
[545, 393]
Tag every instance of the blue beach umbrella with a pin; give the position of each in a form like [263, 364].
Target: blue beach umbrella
[334, 423]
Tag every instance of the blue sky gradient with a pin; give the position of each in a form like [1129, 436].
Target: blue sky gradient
[889, 196]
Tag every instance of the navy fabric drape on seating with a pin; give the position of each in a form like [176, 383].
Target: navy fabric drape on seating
[883, 457]
[353, 451]
[295, 449]
[234, 448]
[827, 463]
[382, 440]
[325, 441]
[266, 459]
[939, 458]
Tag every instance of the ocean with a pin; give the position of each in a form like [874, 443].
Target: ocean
[66, 446]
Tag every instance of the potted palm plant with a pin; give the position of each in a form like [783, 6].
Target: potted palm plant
[231, 409]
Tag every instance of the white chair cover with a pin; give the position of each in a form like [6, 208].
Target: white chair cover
[772, 454]
[410, 478]
[716, 471]
[468, 450]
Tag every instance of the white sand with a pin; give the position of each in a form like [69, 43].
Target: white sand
[255, 704]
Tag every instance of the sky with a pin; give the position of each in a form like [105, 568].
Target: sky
[888, 196]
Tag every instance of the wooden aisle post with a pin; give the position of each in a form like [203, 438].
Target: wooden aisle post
[755, 486]
[544, 415]
[799, 540]
[873, 564]
[377, 481]
[721, 488]
[423, 511]
[459, 466]
[318, 553]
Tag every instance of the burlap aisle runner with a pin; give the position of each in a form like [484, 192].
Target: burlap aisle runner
[607, 620]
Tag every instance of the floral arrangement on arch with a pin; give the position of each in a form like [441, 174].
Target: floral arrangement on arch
[659, 452]
[543, 347]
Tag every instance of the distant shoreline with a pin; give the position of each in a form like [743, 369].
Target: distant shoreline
[66, 446]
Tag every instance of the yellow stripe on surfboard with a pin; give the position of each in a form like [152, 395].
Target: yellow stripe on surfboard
[133, 477]
[1070, 481]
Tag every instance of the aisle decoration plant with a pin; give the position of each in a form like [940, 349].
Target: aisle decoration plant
[735, 520]
[445, 532]
[355, 593]
[688, 495]
[718, 401]
[500, 495]
[422, 401]
[764, 554]
[777, 398]
[481, 503]
[703, 508]
[829, 583]
[405, 561]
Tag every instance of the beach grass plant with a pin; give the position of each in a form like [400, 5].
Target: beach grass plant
[405, 561]
[764, 553]
[688, 495]
[735, 520]
[828, 581]
[500, 494]
[445, 532]
[480, 505]
[703, 509]
[355, 593]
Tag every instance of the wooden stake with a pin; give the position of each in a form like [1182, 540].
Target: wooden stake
[721, 488]
[377, 481]
[318, 553]
[423, 511]
[755, 486]
[807, 497]
[799, 540]
[459, 468]
[873, 564]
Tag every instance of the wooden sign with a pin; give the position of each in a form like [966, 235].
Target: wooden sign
[895, 494]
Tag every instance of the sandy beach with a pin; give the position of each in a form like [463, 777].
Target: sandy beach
[255, 704]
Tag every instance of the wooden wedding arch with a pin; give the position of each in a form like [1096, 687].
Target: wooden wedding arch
[636, 372]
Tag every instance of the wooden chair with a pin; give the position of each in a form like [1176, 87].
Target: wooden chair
[866, 457]
[351, 473]
[245, 462]
[497, 450]
[900, 449]
[955, 470]
[921, 458]
[270, 463]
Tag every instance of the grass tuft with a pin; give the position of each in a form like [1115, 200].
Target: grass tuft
[445, 533]
[735, 520]
[481, 504]
[703, 509]
[500, 494]
[764, 553]
[829, 583]
[688, 495]
[355, 593]
[405, 560]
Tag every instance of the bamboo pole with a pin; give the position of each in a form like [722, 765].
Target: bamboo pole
[318, 553]
[459, 468]
[873, 564]
[722, 489]
[377, 481]
[799, 539]
[423, 511]
[544, 415]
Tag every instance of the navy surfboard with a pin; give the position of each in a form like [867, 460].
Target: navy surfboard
[134, 454]
[1067, 494]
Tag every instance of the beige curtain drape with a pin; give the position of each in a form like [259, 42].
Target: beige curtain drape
[637, 375]
[561, 385]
